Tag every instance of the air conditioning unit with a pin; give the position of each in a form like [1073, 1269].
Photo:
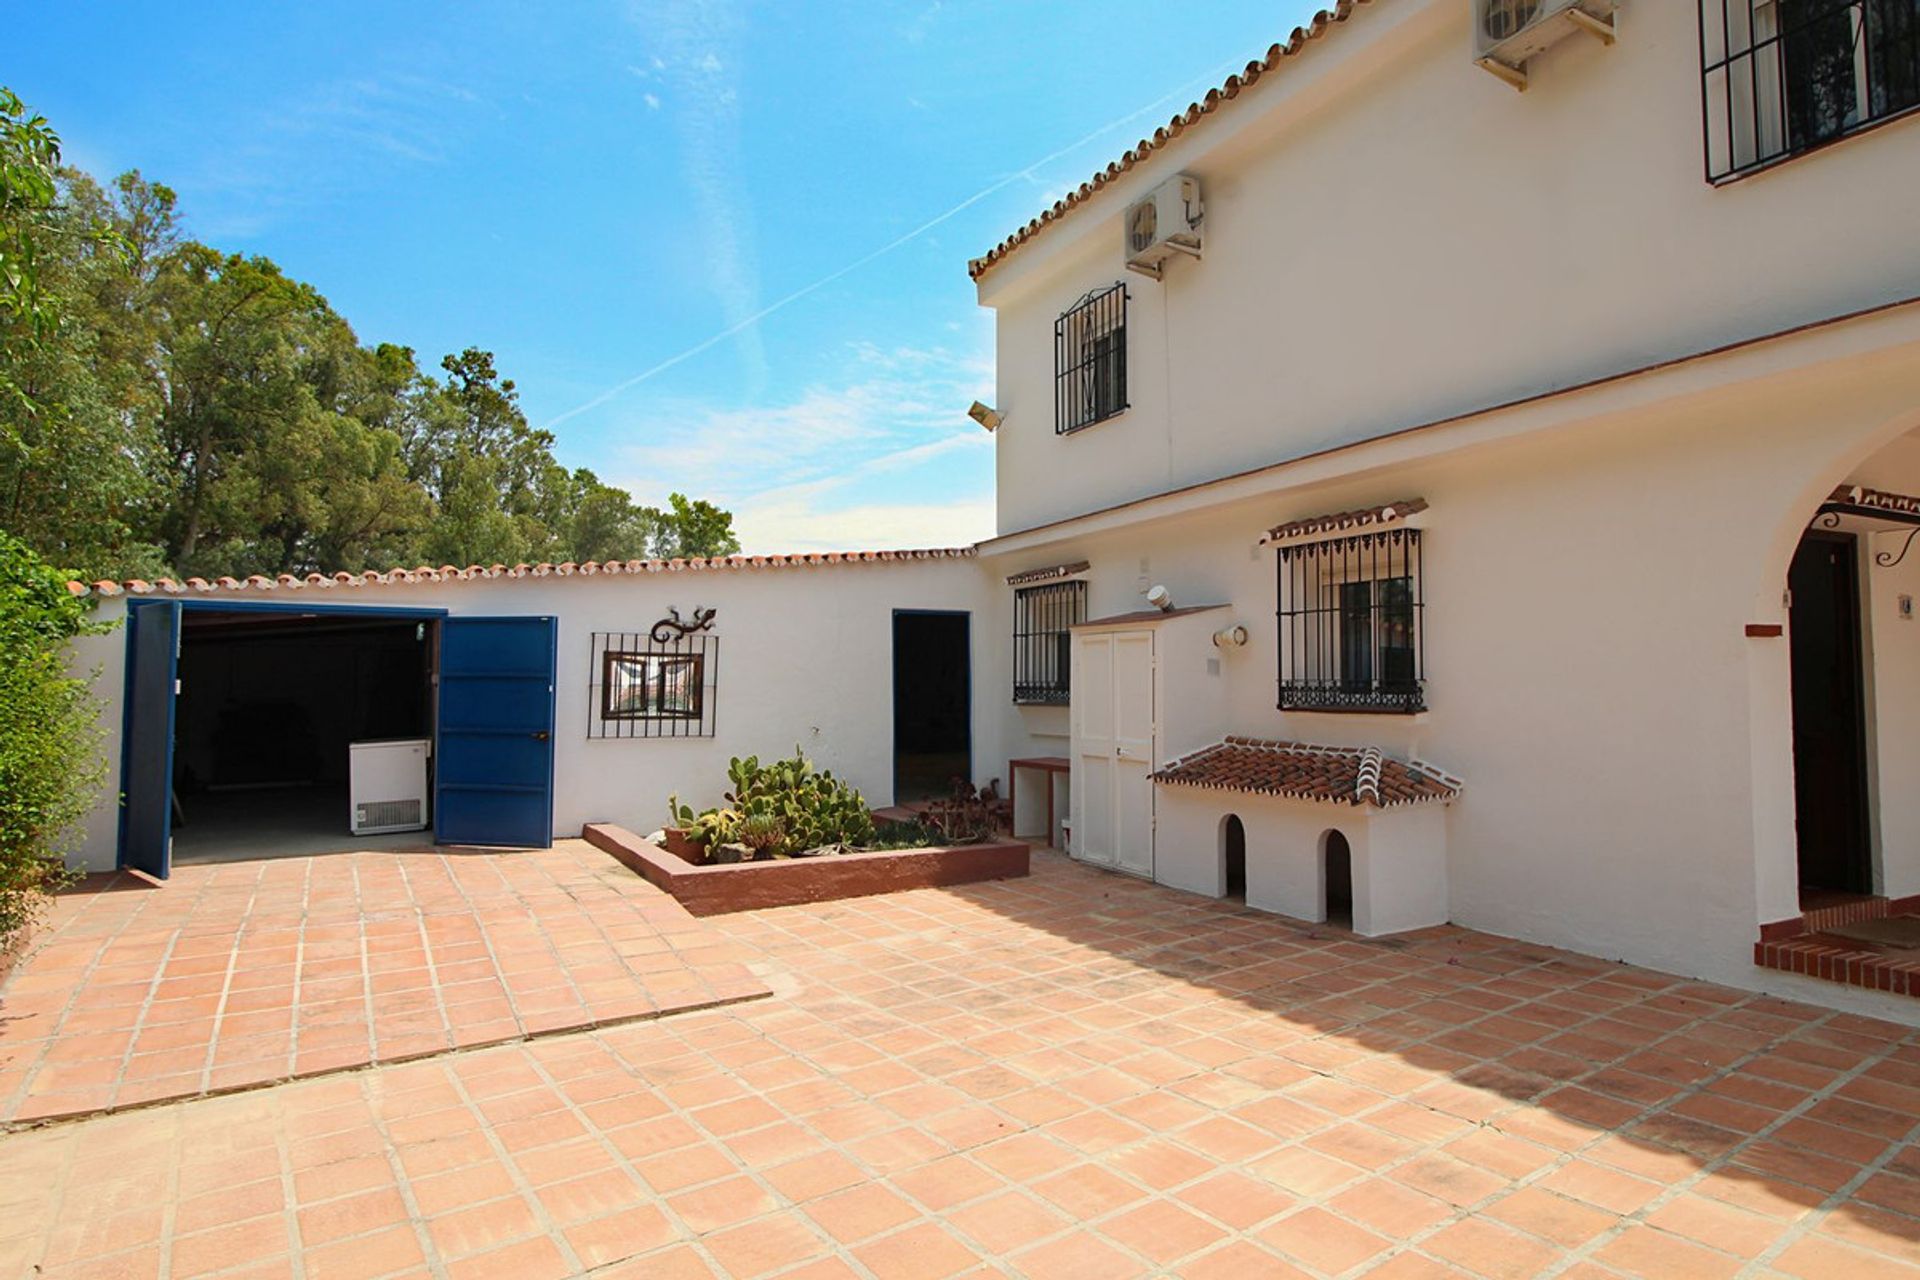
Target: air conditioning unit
[1164, 223]
[1507, 33]
[387, 785]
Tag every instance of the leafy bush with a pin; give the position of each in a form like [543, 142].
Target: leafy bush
[784, 807]
[50, 765]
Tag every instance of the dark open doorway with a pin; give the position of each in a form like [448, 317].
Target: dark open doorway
[1233, 853]
[1339, 868]
[1829, 719]
[932, 704]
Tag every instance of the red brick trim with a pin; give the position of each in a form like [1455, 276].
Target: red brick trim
[1780, 930]
[714, 890]
[1765, 630]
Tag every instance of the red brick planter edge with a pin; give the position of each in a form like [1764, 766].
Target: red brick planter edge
[709, 890]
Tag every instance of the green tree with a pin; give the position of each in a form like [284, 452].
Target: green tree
[51, 770]
[694, 529]
[170, 409]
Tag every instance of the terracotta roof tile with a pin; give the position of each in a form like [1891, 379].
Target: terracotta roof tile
[1343, 521]
[1146, 148]
[474, 572]
[1302, 771]
[1048, 575]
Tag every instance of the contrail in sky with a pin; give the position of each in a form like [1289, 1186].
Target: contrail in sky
[780, 304]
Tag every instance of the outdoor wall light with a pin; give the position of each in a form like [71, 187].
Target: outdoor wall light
[986, 416]
[1230, 637]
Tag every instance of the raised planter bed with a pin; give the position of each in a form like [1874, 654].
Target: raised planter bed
[709, 890]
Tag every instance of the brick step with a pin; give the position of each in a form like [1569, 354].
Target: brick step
[1842, 960]
[1850, 909]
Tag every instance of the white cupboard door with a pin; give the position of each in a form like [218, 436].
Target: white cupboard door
[1093, 747]
[1133, 765]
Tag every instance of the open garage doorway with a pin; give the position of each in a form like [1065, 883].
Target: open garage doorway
[277, 714]
[932, 703]
[259, 730]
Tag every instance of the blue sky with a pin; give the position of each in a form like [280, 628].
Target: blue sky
[619, 200]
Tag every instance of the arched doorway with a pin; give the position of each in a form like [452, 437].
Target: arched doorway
[1337, 860]
[1233, 857]
[1836, 683]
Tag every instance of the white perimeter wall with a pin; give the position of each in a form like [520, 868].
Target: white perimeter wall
[805, 658]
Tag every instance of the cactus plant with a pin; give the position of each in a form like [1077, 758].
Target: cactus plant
[786, 806]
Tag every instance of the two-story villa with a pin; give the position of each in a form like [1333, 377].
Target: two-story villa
[1459, 471]
[1548, 443]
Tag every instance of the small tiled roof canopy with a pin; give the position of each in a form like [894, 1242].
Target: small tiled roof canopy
[1054, 574]
[1302, 771]
[1346, 521]
[1146, 148]
[473, 572]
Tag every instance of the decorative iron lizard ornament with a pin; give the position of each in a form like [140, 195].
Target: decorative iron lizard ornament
[663, 631]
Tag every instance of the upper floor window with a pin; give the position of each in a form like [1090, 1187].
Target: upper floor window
[1043, 618]
[1090, 360]
[1351, 624]
[1786, 76]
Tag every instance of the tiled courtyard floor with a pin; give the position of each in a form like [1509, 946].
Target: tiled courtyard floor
[1072, 1075]
[242, 973]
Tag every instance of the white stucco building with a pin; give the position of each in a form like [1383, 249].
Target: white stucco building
[1475, 437]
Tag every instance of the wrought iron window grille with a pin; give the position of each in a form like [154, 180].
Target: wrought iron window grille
[1780, 78]
[1043, 641]
[644, 686]
[1090, 360]
[1352, 624]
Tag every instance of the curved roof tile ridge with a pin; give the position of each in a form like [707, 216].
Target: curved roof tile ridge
[475, 572]
[1317, 27]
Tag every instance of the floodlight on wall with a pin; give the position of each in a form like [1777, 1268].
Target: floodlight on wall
[986, 416]
[1160, 598]
[1233, 637]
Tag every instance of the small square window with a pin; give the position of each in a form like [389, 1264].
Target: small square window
[651, 686]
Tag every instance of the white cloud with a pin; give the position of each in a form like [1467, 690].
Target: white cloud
[691, 36]
[773, 527]
[890, 410]
[652, 100]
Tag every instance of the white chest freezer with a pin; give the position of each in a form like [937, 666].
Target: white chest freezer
[387, 785]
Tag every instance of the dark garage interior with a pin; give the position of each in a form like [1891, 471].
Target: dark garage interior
[268, 704]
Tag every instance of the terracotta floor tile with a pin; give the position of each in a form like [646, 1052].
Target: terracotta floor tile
[635, 1228]
[1235, 1199]
[536, 1259]
[1560, 1219]
[279, 1019]
[722, 1204]
[861, 1213]
[1239, 1260]
[1322, 1241]
[1160, 1085]
[1162, 1231]
[384, 1253]
[1079, 1256]
[772, 1245]
[1487, 1249]
[923, 1252]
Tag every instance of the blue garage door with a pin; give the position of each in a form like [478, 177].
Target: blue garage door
[493, 782]
[146, 759]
